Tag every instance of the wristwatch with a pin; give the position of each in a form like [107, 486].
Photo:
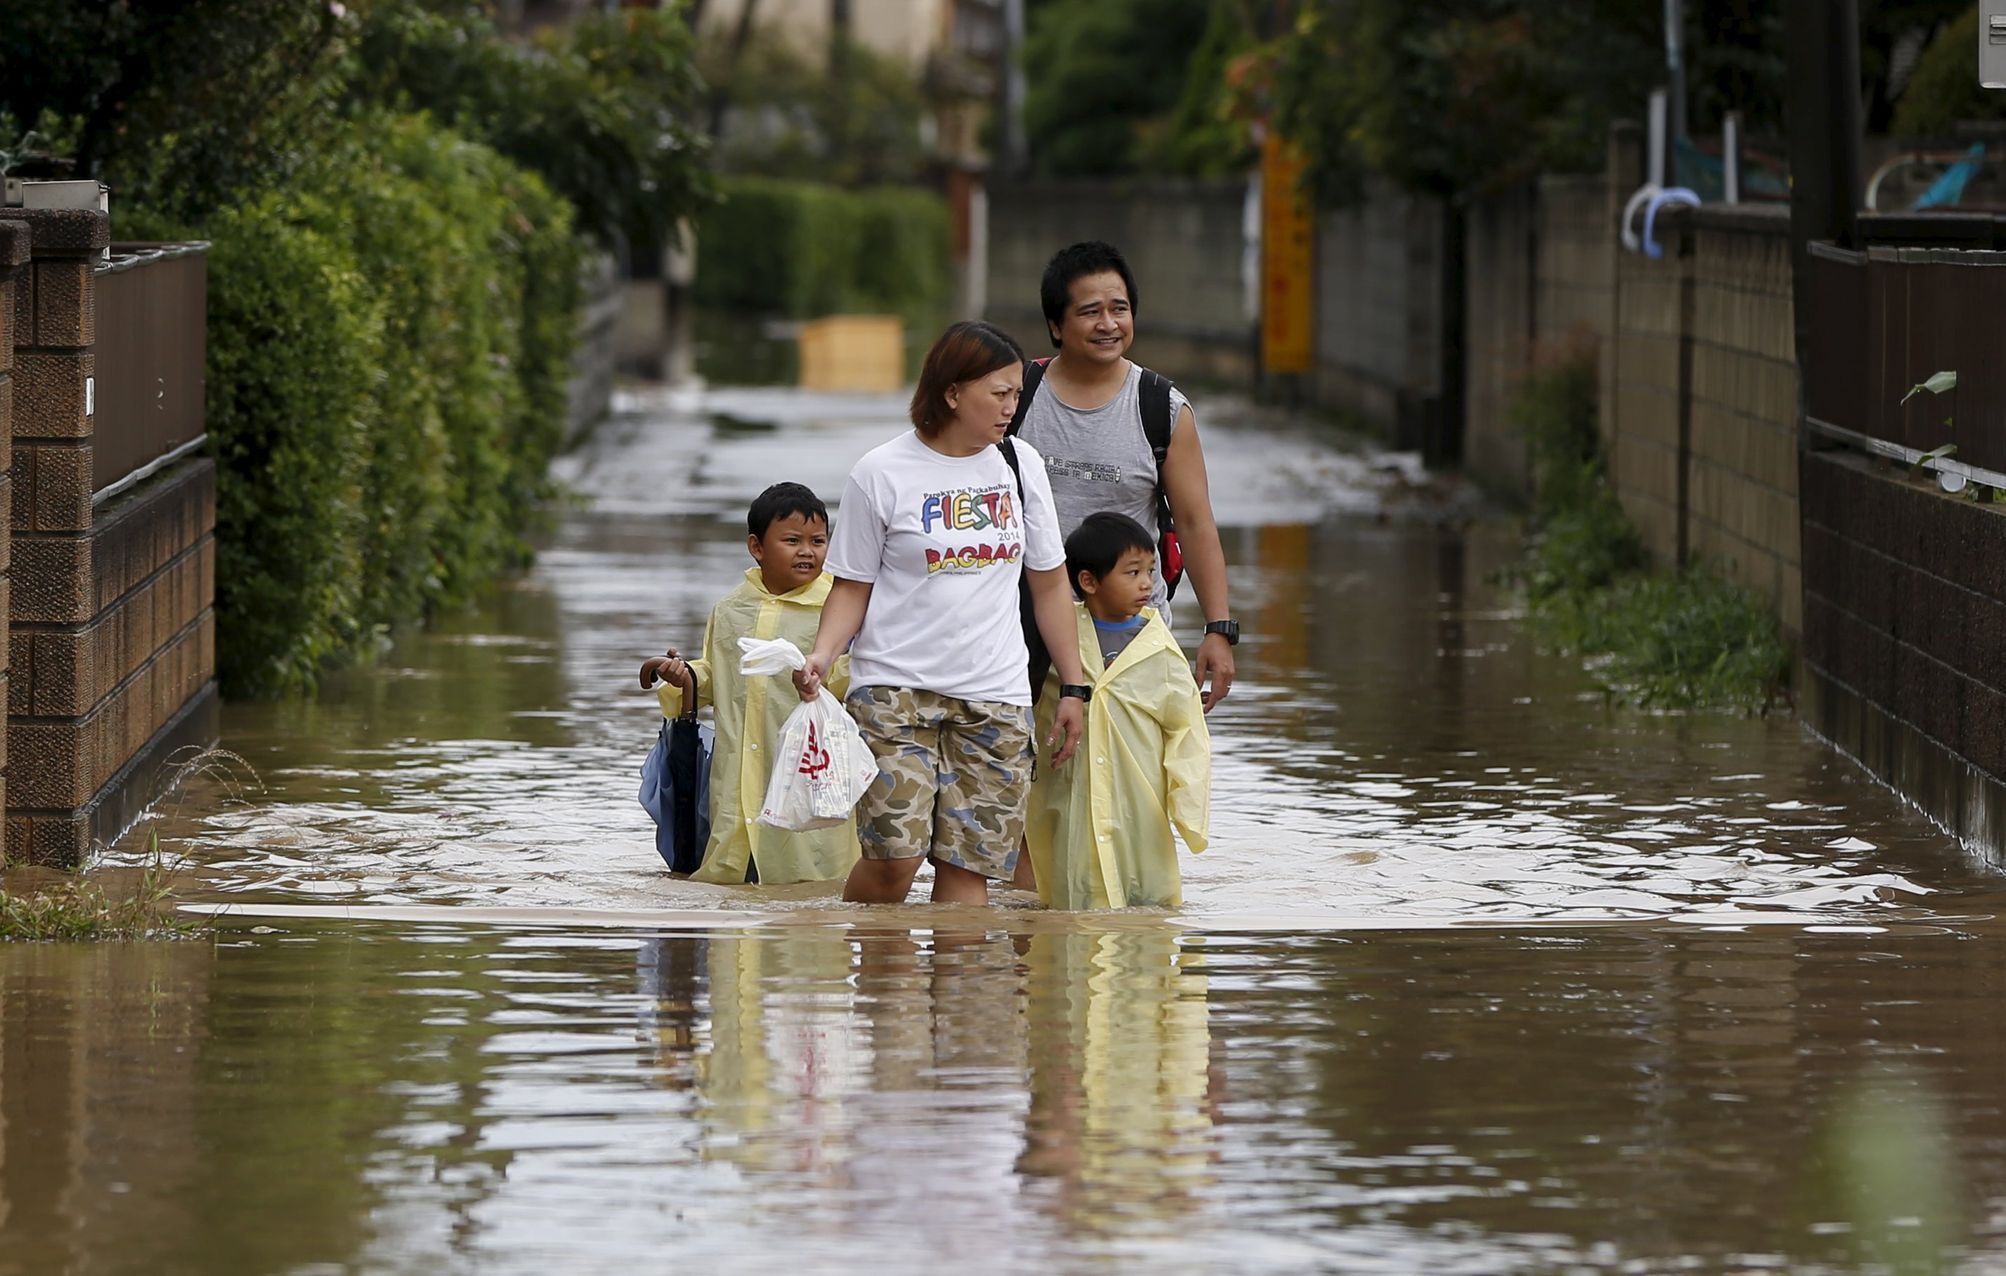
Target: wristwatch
[1077, 691]
[1227, 629]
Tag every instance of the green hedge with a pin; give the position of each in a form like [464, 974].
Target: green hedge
[802, 249]
[389, 345]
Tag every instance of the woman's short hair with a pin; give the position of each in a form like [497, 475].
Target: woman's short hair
[966, 352]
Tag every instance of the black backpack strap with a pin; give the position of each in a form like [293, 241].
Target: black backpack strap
[1027, 611]
[1009, 450]
[1156, 422]
[1034, 375]
[1154, 401]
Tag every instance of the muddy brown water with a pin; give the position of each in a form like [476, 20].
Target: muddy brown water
[1480, 975]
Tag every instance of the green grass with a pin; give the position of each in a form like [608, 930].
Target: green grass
[1688, 639]
[76, 907]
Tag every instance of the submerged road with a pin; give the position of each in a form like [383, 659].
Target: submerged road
[1395, 748]
[1480, 975]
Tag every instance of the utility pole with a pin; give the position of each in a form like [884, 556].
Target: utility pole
[839, 84]
[1011, 101]
[1822, 103]
[1675, 67]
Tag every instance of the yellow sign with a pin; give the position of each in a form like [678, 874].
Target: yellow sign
[1288, 281]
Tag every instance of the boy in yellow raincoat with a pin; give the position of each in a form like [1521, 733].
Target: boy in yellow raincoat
[1099, 831]
[787, 531]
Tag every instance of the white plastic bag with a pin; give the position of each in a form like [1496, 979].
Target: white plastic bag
[821, 763]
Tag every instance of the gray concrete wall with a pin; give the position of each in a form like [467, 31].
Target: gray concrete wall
[1185, 241]
[1541, 262]
[1378, 311]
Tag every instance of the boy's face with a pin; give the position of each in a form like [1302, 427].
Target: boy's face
[1100, 324]
[791, 553]
[1125, 590]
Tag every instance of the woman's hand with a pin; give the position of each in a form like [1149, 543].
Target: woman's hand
[1069, 724]
[808, 680]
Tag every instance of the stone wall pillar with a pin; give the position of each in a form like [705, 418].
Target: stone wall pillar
[14, 250]
[113, 636]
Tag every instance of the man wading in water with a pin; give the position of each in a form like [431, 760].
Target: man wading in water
[1098, 421]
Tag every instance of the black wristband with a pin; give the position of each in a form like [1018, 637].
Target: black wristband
[1077, 691]
[1227, 629]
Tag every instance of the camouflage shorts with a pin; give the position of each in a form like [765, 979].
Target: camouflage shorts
[952, 777]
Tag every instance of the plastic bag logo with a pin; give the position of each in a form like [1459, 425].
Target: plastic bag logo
[814, 758]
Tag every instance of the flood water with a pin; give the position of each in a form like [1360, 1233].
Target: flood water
[1479, 975]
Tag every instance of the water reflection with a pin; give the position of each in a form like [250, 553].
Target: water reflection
[1122, 1084]
[886, 1099]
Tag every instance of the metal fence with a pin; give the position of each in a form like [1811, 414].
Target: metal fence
[1887, 319]
[152, 302]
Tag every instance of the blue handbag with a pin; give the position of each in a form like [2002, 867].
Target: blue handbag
[675, 789]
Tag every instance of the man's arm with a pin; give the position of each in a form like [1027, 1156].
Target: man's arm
[1190, 493]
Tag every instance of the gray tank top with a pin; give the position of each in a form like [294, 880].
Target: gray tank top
[1099, 459]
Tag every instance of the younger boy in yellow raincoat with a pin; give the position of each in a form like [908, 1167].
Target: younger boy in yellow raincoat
[787, 530]
[1099, 830]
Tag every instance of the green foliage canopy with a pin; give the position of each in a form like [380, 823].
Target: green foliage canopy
[1454, 97]
[603, 107]
[180, 104]
[389, 344]
[1100, 77]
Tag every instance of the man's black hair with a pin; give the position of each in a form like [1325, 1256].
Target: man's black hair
[1093, 257]
[779, 501]
[1098, 543]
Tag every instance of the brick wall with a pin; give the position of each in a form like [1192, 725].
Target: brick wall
[1905, 638]
[14, 250]
[1742, 511]
[112, 634]
[1641, 411]
[1699, 406]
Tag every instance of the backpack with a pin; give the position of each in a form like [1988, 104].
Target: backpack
[1154, 402]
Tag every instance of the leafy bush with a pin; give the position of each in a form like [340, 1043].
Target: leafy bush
[1554, 410]
[295, 351]
[389, 346]
[1682, 639]
[801, 249]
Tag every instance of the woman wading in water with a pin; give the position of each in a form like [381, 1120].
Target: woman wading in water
[934, 532]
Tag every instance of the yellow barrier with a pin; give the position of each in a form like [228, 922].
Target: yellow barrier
[853, 352]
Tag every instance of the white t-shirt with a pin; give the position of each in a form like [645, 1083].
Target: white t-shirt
[942, 541]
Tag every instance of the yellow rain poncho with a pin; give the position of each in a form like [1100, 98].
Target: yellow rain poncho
[749, 713]
[1099, 828]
